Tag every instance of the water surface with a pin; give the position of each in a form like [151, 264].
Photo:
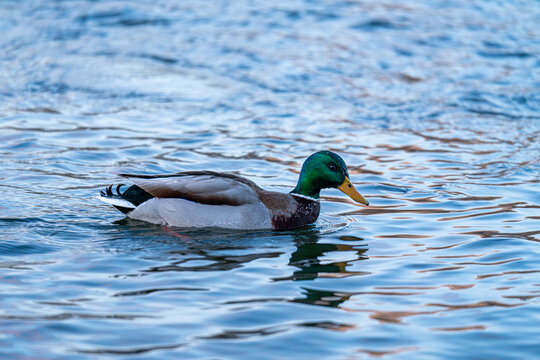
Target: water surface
[434, 106]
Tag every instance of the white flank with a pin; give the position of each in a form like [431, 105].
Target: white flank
[184, 213]
[117, 202]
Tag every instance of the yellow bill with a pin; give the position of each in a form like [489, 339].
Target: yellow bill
[348, 188]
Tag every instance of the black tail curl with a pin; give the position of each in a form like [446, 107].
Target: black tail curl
[133, 194]
[109, 192]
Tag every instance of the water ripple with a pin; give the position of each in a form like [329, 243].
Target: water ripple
[433, 106]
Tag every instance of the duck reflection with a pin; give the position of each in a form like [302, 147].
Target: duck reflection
[323, 298]
[313, 256]
[310, 253]
[211, 250]
[188, 250]
[309, 259]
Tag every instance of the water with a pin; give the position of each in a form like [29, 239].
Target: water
[435, 107]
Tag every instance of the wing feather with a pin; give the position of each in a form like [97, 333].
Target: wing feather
[204, 187]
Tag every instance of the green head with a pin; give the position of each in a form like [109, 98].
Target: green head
[322, 170]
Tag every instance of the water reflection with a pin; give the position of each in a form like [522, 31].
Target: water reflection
[196, 250]
[193, 250]
[308, 257]
[309, 253]
[211, 250]
[202, 260]
[323, 298]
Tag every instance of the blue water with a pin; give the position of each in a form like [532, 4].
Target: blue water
[434, 106]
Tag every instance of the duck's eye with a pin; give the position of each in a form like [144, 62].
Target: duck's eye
[332, 167]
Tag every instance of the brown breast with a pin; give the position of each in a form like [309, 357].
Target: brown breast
[289, 211]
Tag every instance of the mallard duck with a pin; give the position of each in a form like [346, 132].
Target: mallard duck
[214, 199]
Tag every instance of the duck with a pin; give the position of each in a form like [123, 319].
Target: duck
[210, 199]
